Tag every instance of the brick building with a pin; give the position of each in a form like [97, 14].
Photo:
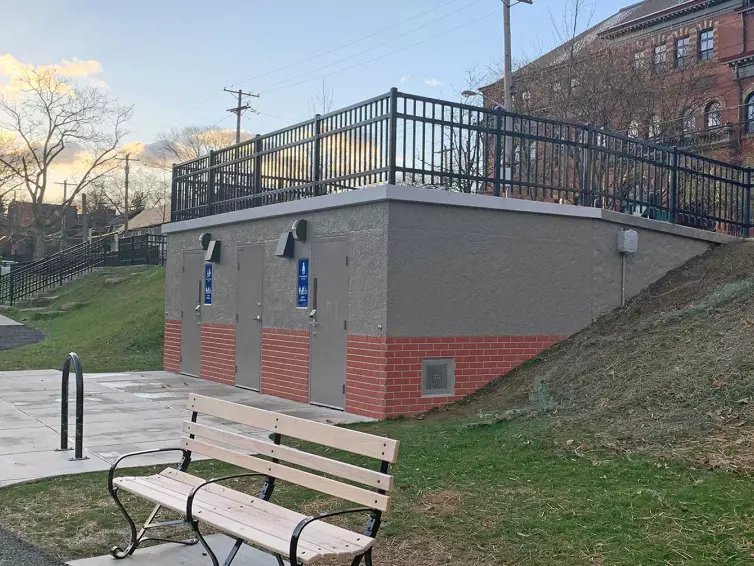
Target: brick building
[711, 39]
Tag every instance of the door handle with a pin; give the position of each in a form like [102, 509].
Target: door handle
[258, 318]
[198, 310]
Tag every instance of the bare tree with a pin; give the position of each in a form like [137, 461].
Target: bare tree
[147, 189]
[49, 116]
[324, 101]
[191, 142]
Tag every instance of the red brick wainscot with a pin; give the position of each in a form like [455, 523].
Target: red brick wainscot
[171, 356]
[396, 388]
[285, 363]
[218, 356]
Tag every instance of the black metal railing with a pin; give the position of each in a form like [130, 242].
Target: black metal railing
[61, 267]
[399, 138]
[145, 249]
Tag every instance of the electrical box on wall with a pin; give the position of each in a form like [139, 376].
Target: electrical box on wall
[628, 241]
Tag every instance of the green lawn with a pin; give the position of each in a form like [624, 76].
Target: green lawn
[509, 493]
[112, 327]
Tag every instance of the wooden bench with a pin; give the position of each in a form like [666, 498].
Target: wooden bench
[254, 520]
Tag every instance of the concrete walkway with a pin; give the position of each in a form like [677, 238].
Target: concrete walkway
[123, 412]
[178, 555]
[5, 321]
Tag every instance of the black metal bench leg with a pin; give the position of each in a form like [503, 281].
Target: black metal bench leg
[195, 526]
[233, 552]
[137, 538]
[116, 551]
[367, 557]
[280, 560]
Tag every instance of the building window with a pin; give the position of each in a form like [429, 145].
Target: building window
[712, 113]
[706, 45]
[689, 122]
[750, 114]
[638, 60]
[654, 127]
[682, 52]
[660, 56]
[574, 84]
[556, 87]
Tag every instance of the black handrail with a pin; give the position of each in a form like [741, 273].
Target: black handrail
[79, 446]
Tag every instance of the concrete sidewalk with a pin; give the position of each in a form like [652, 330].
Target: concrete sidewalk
[179, 555]
[123, 412]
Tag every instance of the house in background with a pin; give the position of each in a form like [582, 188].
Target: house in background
[711, 41]
[148, 221]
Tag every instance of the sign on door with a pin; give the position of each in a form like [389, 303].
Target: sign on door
[303, 284]
[207, 284]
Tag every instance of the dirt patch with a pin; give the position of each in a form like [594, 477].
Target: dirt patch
[443, 502]
[674, 367]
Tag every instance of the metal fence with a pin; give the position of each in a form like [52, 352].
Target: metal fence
[64, 266]
[399, 138]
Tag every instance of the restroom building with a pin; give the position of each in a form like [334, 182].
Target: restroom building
[391, 300]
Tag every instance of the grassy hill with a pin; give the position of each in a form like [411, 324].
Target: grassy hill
[112, 327]
[671, 374]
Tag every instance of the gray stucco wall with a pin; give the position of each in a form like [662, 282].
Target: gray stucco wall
[457, 271]
[366, 227]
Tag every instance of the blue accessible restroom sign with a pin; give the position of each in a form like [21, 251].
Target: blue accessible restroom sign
[303, 284]
[208, 284]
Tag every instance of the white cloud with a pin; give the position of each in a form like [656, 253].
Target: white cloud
[432, 82]
[12, 71]
[405, 78]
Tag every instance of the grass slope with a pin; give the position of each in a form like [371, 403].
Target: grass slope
[509, 493]
[630, 443]
[112, 327]
[671, 374]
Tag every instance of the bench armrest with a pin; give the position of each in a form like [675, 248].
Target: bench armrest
[111, 473]
[309, 520]
[192, 494]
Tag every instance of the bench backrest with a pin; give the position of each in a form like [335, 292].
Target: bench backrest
[234, 448]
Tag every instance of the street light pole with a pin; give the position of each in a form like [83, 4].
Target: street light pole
[508, 84]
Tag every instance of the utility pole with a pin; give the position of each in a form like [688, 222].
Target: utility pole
[240, 108]
[84, 219]
[508, 80]
[127, 169]
[62, 213]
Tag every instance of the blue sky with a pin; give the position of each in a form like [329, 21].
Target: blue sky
[171, 59]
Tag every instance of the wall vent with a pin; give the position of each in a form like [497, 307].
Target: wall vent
[438, 377]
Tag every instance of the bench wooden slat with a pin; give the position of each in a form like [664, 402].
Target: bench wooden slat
[354, 441]
[345, 491]
[320, 530]
[250, 512]
[249, 522]
[312, 461]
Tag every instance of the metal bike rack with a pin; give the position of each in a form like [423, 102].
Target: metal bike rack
[79, 446]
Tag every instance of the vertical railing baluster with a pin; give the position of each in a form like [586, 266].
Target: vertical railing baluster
[393, 137]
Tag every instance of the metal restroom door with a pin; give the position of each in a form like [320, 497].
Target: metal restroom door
[249, 291]
[329, 332]
[191, 312]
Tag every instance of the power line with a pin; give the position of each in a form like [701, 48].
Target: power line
[333, 50]
[385, 55]
[349, 44]
[240, 108]
[372, 48]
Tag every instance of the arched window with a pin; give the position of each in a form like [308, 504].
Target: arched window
[712, 114]
[750, 113]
